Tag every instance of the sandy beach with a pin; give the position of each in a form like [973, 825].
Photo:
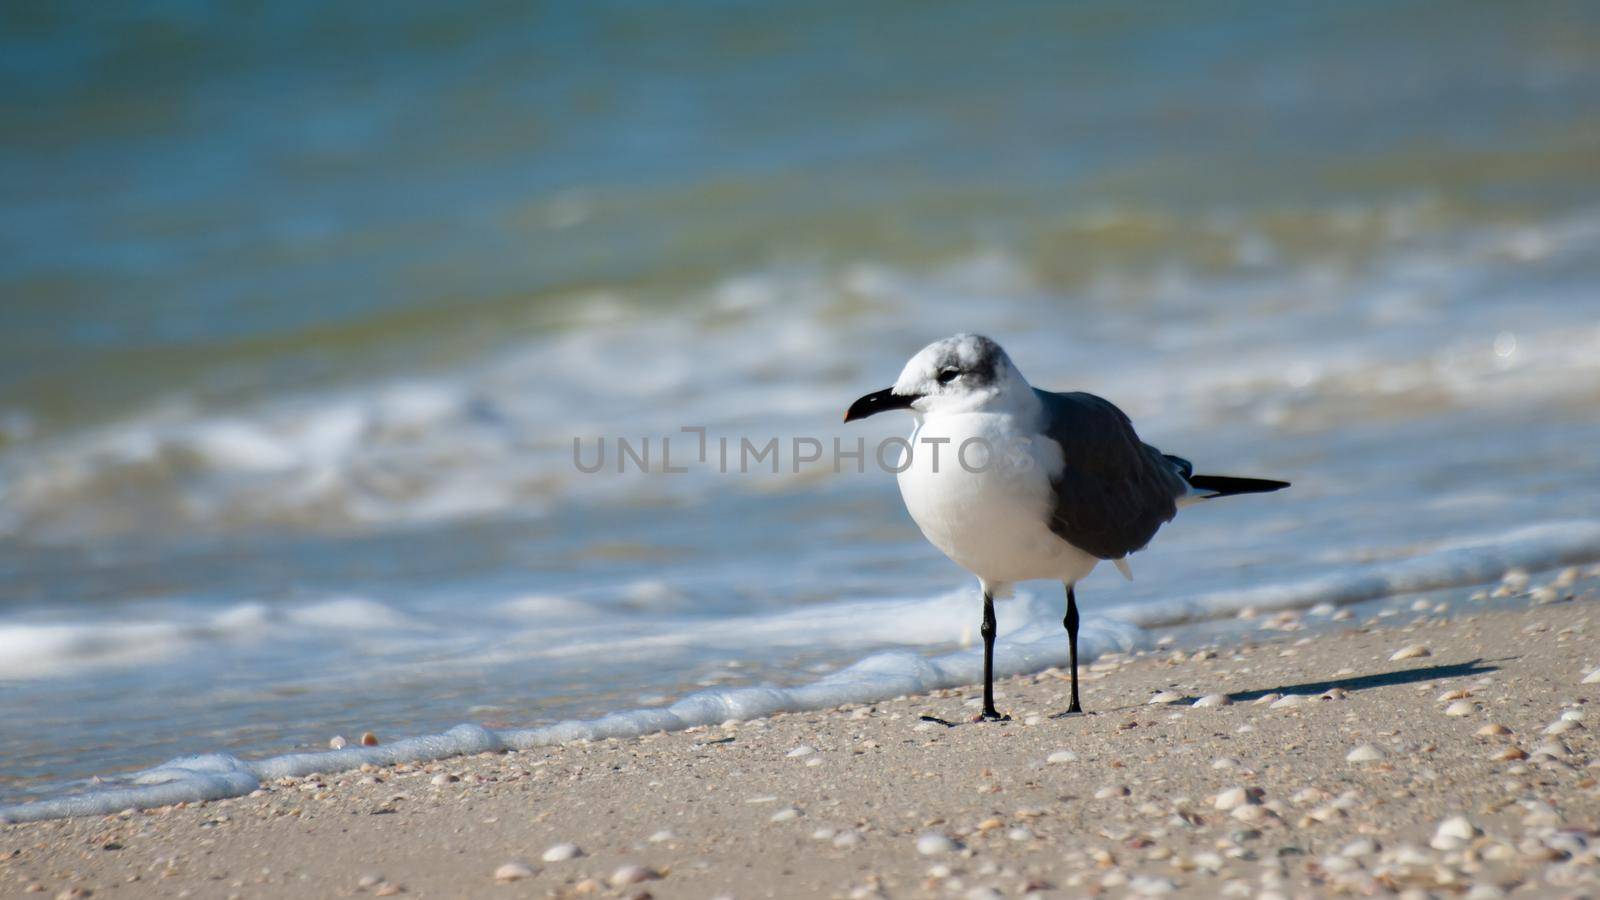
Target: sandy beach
[1414, 754]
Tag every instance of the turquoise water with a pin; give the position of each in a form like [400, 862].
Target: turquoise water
[301, 310]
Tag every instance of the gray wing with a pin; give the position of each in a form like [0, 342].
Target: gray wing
[1114, 491]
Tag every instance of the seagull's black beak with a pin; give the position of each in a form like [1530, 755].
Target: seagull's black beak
[879, 401]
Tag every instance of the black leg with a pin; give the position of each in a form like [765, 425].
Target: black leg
[989, 712]
[1071, 622]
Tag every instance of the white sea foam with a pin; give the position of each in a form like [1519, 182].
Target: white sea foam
[30, 651]
[350, 613]
[34, 650]
[1034, 644]
[546, 608]
[480, 440]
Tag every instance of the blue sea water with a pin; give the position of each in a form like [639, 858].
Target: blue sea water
[301, 310]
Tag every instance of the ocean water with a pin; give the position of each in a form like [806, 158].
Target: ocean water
[301, 313]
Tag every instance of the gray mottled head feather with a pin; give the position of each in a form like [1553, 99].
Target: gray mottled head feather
[979, 360]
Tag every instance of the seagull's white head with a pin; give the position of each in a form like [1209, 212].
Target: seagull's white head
[963, 373]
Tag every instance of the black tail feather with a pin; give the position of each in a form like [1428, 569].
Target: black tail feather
[1224, 485]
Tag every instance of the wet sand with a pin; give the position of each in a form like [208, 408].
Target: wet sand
[1414, 755]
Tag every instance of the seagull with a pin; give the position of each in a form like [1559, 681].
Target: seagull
[1018, 484]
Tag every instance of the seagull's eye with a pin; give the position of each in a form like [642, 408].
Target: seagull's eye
[949, 375]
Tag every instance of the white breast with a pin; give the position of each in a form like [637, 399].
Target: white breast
[993, 522]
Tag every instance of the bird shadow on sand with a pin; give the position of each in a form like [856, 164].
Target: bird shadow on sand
[1350, 683]
[1377, 680]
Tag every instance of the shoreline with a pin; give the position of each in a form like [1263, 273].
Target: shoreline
[1443, 572]
[1376, 768]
